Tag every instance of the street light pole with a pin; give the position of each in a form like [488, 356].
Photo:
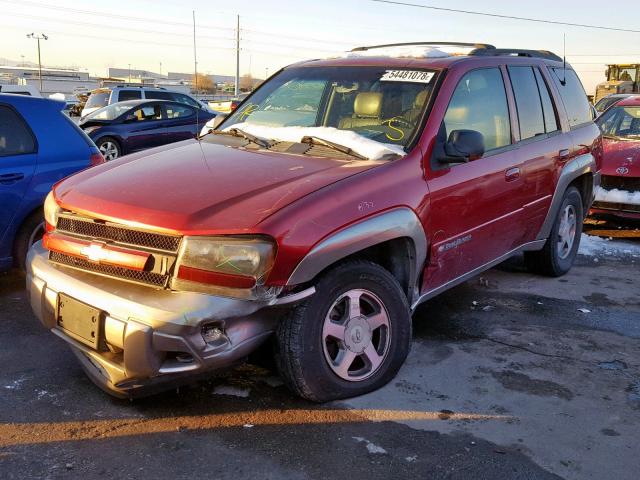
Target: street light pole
[42, 36]
[129, 72]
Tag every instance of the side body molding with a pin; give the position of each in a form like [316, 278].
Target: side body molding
[389, 225]
[572, 170]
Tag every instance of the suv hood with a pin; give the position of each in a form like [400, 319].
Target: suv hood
[199, 188]
[621, 153]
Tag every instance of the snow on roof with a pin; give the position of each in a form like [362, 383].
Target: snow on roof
[401, 51]
[366, 147]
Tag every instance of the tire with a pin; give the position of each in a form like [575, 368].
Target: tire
[554, 259]
[109, 148]
[309, 357]
[30, 232]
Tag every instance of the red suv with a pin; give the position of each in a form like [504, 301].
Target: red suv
[338, 197]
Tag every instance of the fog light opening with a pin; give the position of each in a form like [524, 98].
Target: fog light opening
[212, 333]
[184, 358]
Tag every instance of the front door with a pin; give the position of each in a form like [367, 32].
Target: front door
[475, 207]
[18, 158]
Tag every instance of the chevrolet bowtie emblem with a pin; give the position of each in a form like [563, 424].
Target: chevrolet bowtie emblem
[94, 252]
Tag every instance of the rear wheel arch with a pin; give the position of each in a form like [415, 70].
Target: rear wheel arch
[584, 185]
[22, 239]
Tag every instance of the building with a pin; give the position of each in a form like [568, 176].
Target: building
[54, 80]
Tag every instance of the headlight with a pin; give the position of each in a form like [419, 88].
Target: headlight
[88, 130]
[51, 210]
[230, 266]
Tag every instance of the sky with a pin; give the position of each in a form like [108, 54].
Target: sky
[158, 34]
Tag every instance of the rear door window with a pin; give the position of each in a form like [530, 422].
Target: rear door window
[479, 103]
[178, 111]
[15, 137]
[528, 103]
[156, 95]
[146, 113]
[550, 117]
[98, 100]
[186, 99]
[125, 95]
[573, 96]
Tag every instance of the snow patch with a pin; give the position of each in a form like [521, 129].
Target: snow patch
[15, 385]
[401, 51]
[231, 391]
[364, 146]
[592, 246]
[371, 447]
[617, 196]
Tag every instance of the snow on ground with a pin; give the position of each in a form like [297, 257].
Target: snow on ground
[371, 447]
[597, 246]
[231, 391]
[617, 196]
[364, 146]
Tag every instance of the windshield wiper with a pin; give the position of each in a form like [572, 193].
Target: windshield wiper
[313, 140]
[236, 132]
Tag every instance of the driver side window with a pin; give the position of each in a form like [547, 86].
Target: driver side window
[479, 103]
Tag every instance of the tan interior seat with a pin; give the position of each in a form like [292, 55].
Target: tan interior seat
[418, 103]
[366, 111]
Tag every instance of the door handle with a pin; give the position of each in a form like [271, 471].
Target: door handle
[512, 174]
[564, 154]
[9, 178]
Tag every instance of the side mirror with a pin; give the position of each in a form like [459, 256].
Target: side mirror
[463, 146]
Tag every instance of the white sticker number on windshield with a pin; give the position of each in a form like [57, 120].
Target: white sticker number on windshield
[416, 76]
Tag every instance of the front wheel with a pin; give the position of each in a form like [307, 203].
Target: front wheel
[109, 148]
[351, 337]
[559, 252]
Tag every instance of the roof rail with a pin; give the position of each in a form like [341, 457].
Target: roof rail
[475, 46]
[137, 85]
[514, 52]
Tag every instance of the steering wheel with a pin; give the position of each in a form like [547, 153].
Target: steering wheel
[398, 133]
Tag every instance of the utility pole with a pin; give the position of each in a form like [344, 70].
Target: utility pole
[160, 68]
[195, 56]
[42, 36]
[237, 89]
[129, 72]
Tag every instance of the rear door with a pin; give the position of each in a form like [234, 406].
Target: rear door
[476, 207]
[542, 146]
[145, 127]
[181, 122]
[18, 158]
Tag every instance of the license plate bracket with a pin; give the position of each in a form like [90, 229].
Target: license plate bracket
[80, 321]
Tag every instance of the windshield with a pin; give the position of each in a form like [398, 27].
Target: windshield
[621, 122]
[627, 74]
[111, 112]
[376, 103]
[97, 100]
[605, 103]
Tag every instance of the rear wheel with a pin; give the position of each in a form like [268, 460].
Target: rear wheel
[559, 252]
[350, 338]
[30, 232]
[109, 148]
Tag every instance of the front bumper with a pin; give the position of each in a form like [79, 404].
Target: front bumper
[153, 337]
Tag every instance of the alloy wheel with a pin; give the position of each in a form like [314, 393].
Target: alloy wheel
[109, 150]
[356, 335]
[567, 231]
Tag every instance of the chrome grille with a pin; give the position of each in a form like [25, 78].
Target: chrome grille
[146, 278]
[116, 233]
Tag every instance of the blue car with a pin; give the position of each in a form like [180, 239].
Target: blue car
[126, 127]
[39, 145]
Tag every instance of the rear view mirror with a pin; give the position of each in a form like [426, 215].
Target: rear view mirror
[463, 146]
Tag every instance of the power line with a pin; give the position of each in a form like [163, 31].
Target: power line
[508, 17]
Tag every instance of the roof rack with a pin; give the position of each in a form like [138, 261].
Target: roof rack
[138, 85]
[514, 52]
[478, 49]
[476, 46]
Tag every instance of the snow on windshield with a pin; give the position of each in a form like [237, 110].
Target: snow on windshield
[617, 196]
[366, 147]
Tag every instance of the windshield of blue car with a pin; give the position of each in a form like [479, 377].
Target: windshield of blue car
[381, 104]
[110, 112]
[621, 122]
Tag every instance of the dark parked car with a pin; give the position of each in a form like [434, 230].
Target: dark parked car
[135, 125]
[39, 145]
[610, 100]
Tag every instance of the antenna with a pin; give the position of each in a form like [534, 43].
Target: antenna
[563, 82]
[195, 73]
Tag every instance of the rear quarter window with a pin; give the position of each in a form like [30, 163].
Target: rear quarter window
[573, 96]
[16, 137]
